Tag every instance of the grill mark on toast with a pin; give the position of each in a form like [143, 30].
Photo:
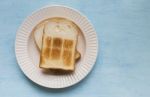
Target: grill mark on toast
[46, 49]
[48, 42]
[67, 56]
[68, 44]
[42, 60]
[46, 52]
[55, 53]
[57, 42]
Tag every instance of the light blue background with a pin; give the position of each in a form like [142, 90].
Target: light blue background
[123, 64]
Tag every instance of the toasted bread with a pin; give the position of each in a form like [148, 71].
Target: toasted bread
[58, 45]
[38, 33]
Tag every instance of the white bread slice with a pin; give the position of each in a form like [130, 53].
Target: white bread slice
[38, 33]
[58, 45]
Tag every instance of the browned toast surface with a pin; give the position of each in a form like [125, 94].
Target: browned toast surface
[58, 47]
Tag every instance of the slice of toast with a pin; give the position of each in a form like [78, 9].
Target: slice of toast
[58, 46]
[38, 33]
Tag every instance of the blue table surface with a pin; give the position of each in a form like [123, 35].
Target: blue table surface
[122, 68]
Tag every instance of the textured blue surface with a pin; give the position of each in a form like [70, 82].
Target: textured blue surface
[123, 64]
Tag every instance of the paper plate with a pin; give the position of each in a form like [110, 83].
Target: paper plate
[27, 53]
